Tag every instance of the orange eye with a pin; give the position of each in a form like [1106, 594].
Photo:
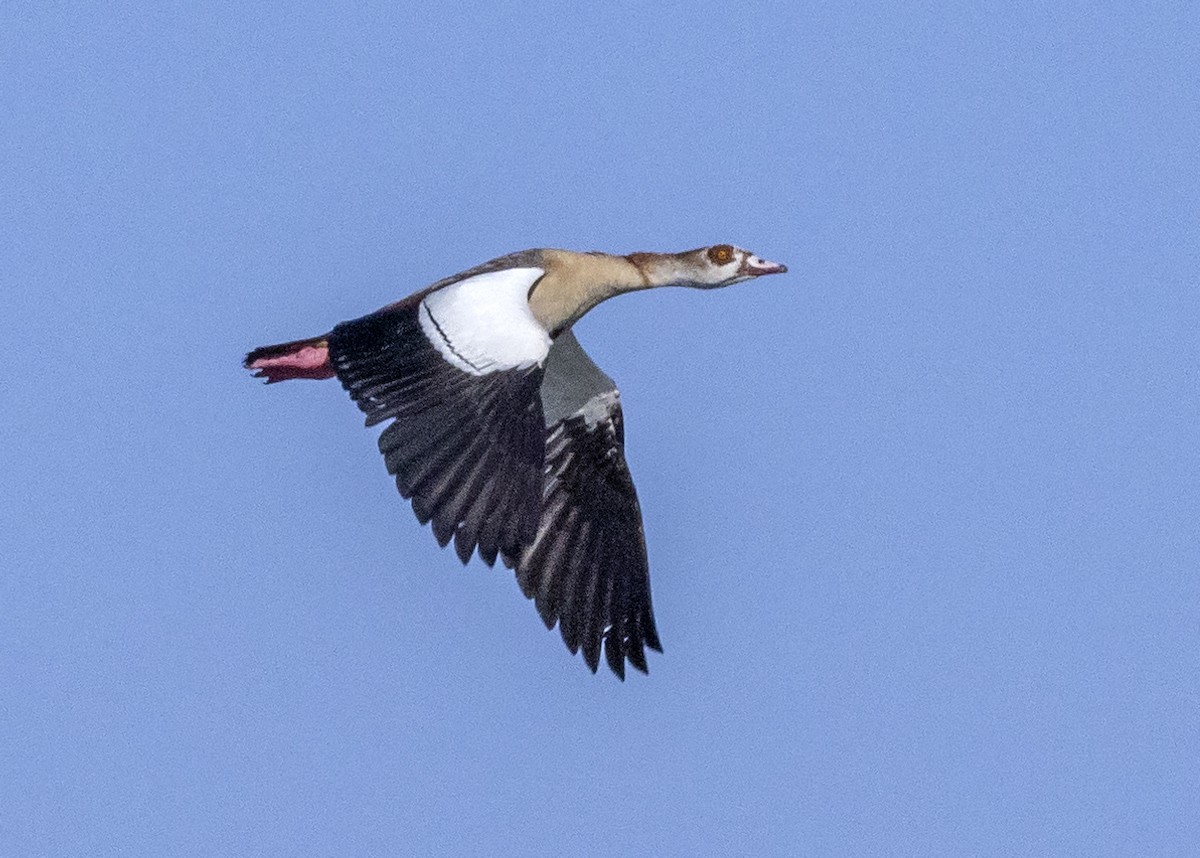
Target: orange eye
[721, 254]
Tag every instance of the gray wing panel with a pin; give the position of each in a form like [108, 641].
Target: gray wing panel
[571, 380]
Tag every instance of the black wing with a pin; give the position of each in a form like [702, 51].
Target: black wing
[468, 450]
[587, 568]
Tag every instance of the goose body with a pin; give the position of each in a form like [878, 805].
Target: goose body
[504, 434]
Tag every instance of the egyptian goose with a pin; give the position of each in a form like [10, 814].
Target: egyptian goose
[506, 436]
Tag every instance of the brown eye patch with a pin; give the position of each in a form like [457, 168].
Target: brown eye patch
[720, 254]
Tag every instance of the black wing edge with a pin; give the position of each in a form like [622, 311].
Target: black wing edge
[587, 569]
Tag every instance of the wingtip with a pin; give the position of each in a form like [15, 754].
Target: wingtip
[614, 656]
[464, 546]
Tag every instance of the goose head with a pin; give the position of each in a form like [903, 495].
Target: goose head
[705, 267]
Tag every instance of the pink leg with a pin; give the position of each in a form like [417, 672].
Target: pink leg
[305, 361]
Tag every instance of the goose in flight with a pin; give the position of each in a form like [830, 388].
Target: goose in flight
[503, 433]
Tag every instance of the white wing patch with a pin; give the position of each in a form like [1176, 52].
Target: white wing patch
[483, 324]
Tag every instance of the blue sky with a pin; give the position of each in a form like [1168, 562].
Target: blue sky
[922, 514]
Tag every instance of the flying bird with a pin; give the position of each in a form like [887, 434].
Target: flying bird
[506, 436]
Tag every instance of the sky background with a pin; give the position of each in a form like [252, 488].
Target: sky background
[923, 514]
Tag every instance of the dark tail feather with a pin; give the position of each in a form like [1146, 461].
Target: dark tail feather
[299, 359]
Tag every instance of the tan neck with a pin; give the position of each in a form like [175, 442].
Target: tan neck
[576, 282]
